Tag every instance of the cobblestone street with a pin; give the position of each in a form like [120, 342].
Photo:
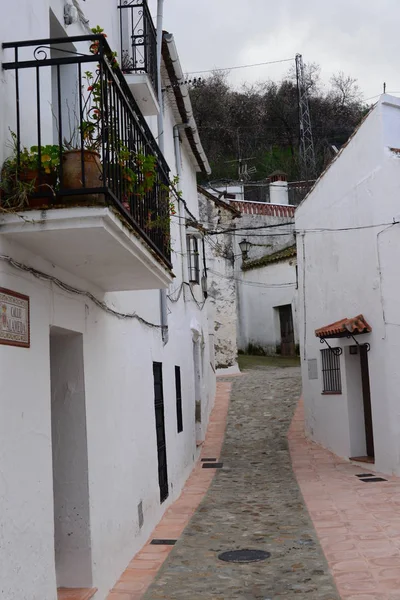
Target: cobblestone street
[253, 503]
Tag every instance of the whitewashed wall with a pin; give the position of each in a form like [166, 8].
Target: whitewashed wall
[220, 254]
[352, 270]
[118, 381]
[261, 291]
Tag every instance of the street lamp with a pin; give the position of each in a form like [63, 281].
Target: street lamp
[244, 246]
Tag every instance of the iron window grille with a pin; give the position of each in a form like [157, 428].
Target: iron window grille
[160, 430]
[138, 39]
[73, 85]
[178, 389]
[331, 376]
[194, 259]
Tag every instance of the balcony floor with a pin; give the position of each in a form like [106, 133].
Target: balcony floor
[91, 243]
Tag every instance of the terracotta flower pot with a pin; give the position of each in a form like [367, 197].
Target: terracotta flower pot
[45, 185]
[73, 175]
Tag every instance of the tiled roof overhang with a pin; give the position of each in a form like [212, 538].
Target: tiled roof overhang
[345, 327]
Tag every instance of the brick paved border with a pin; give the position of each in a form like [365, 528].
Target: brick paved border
[358, 524]
[143, 568]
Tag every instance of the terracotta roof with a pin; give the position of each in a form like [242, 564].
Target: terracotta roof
[264, 208]
[270, 258]
[218, 201]
[344, 327]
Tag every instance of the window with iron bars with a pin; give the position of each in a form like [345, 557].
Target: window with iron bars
[331, 377]
[194, 259]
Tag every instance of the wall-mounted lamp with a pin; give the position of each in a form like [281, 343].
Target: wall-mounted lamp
[71, 14]
[244, 246]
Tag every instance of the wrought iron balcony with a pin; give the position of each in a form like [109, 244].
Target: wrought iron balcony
[79, 138]
[138, 39]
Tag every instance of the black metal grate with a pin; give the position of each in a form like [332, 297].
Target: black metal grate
[208, 459]
[159, 542]
[331, 371]
[160, 431]
[212, 465]
[178, 391]
[373, 479]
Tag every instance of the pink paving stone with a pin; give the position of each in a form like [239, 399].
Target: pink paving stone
[358, 526]
[143, 568]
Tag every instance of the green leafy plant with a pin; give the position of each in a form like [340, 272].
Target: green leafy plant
[22, 178]
[95, 46]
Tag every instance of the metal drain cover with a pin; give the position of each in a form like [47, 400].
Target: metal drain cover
[244, 556]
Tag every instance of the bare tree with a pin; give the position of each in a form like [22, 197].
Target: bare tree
[345, 89]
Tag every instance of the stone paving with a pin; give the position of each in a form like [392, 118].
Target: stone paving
[254, 502]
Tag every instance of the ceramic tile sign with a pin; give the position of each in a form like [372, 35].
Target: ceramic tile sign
[14, 319]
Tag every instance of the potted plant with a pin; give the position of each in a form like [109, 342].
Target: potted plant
[81, 161]
[30, 179]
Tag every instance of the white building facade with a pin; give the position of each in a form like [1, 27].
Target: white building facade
[348, 254]
[106, 383]
[266, 279]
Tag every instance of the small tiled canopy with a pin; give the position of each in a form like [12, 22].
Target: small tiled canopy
[345, 327]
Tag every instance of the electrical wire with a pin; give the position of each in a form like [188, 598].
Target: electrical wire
[72, 290]
[253, 283]
[355, 228]
[270, 62]
[251, 228]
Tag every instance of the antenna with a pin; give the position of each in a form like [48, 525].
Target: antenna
[308, 165]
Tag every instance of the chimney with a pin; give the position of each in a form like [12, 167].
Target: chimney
[278, 188]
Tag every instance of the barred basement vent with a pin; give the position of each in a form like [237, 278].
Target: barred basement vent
[140, 514]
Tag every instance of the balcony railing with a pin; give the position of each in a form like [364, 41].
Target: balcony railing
[77, 136]
[138, 39]
[298, 190]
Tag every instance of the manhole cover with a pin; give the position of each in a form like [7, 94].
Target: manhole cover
[244, 556]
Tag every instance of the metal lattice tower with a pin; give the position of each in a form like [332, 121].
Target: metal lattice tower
[308, 165]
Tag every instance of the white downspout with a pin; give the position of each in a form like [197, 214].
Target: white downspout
[160, 118]
[181, 208]
[160, 122]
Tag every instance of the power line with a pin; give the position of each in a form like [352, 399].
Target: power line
[355, 228]
[378, 95]
[271, 62]
[254, 283]
[235, 229]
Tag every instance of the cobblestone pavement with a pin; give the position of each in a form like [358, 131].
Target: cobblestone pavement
[253, 503]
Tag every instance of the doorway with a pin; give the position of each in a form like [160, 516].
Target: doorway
[366, 394]
[160, 431]
[72, 543]
[288, 347]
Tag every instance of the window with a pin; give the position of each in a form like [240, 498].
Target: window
[194, 262]
[178, 388]
[331, 372]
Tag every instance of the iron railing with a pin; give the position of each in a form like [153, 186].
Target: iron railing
[72, 102]
[138, 39]
[298, 190]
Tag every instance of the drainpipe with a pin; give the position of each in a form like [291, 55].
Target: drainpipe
[160, 118]
[160, 122]
[181, 208]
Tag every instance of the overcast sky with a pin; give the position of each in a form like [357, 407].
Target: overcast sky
[359, 37]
